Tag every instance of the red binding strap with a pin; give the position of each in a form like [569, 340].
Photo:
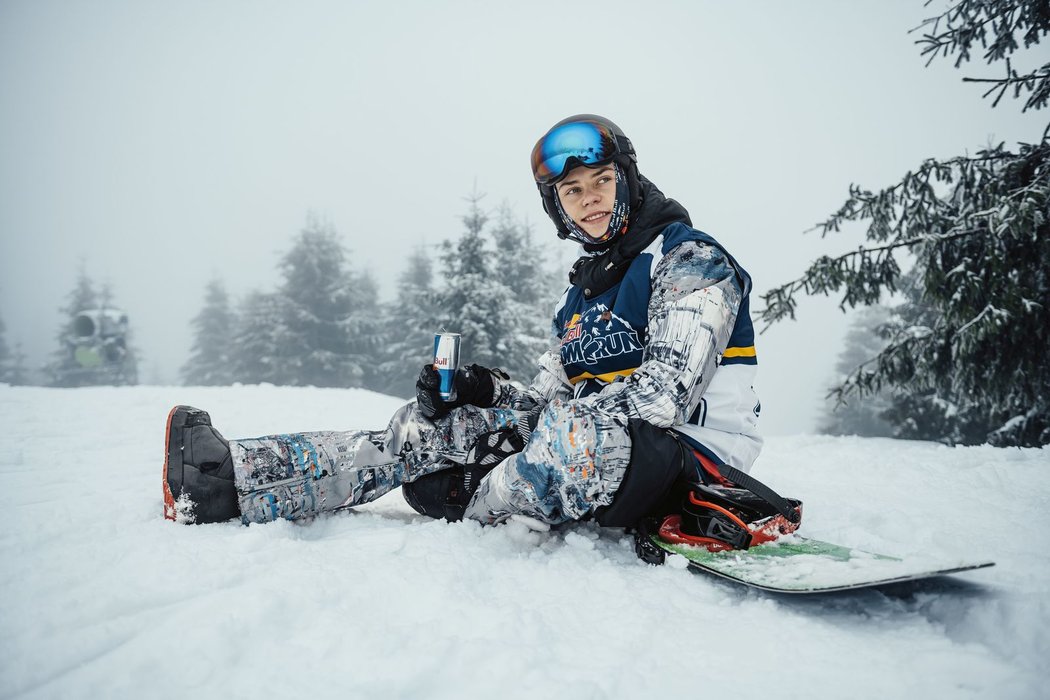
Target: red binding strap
[711, 468]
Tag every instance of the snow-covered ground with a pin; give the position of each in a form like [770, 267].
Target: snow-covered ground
[102, 598]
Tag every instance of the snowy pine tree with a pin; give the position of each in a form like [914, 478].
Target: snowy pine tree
[923, 412]
[410, 322]
[5, 354]
[365, 327]
[213, 327]
[259, 341]
[474, 302]
[16, 373]
[522, 267]
[328, 313]
[860, 415]
[979, 228]
[13, 368]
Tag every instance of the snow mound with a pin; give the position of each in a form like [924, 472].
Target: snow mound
[101, 597]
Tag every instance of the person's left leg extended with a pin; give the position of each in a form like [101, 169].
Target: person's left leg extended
[297, 475]
[301, 474]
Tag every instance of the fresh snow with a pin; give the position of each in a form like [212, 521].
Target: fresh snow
[100, 597]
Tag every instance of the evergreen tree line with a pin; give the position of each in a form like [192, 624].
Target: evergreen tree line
[325, 326]
[964, 358]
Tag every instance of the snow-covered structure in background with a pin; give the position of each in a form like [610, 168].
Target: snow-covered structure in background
[95, 350]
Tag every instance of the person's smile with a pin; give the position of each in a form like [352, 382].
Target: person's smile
[596, 216]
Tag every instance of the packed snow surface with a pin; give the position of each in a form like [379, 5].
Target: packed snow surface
[101, 597]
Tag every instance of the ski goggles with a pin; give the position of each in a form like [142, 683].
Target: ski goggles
[576, 143]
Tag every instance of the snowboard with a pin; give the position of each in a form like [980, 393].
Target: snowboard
[801, 565]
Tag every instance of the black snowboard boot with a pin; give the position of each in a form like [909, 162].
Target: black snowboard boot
[198, 470]
[447, 493]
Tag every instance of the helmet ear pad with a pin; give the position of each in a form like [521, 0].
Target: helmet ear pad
[547, 195]
[634, 185]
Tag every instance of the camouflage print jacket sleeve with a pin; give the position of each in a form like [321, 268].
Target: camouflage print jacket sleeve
[695, 297]
[549, 383]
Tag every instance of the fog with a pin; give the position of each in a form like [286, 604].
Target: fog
[163, 144]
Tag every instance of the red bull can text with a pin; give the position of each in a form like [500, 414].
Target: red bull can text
[446, 362]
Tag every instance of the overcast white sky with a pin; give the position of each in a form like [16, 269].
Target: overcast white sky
[164, 143]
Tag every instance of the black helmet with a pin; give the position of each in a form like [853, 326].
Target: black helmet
[583, 139]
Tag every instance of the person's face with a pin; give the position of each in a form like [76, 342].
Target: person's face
[588, 196]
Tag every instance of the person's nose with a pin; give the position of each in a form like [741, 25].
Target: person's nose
[591, 197]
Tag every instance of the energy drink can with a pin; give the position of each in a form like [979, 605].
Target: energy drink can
[446, 362]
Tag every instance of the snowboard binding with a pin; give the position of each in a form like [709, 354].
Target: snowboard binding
[728, 509]
[720, 518]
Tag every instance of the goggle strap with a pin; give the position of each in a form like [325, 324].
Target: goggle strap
[624, 145]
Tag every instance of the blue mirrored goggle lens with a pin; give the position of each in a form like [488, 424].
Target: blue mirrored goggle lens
[586, 142]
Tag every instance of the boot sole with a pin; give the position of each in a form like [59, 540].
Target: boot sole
[169, 499]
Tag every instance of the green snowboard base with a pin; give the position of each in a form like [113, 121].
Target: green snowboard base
[802, 565]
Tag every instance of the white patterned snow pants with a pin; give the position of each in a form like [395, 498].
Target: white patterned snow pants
[574, 461]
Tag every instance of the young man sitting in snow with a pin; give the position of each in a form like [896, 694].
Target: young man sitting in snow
[648, 382]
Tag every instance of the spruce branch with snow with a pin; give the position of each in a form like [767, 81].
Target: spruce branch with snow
[996, 26]
[972, 337]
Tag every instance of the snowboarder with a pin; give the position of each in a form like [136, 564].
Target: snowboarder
[647, 384]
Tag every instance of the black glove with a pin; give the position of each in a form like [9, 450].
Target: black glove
[474, 387]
